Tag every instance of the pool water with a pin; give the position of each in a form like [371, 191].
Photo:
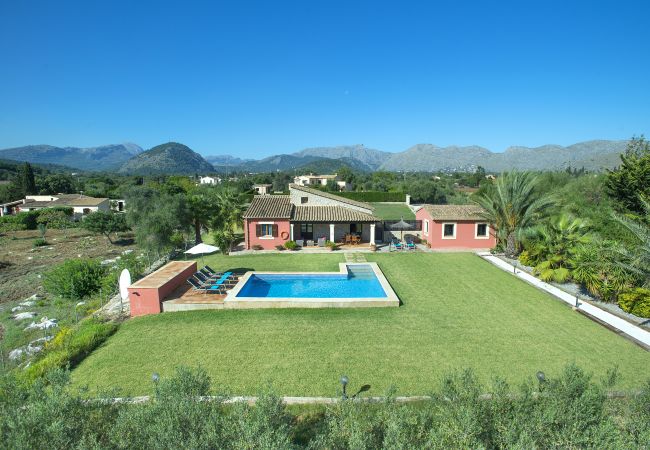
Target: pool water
[359, 282]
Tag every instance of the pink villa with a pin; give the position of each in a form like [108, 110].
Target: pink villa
[455, 227]
[306, 215]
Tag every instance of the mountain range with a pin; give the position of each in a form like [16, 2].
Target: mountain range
[105, 157]
[177, 158]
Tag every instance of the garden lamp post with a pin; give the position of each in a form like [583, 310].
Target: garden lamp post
[344, 383]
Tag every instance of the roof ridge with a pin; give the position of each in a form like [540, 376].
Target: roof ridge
[331, 196]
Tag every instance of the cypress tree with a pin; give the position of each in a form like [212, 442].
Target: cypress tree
[28, 182]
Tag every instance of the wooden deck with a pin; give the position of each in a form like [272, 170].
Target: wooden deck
[185, 294]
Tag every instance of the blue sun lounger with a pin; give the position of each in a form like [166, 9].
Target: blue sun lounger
[216, 288]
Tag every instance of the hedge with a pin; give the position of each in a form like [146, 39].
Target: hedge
[373, 196]
[29, 219]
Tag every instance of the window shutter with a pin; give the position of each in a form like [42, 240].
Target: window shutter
[258, 230]
[275, 230]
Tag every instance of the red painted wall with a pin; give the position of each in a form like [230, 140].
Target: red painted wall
[148, 300]
[465, 234]
[250, 226]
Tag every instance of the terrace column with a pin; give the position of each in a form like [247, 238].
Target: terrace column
[332, 232]
[372, 234]
[291, 232]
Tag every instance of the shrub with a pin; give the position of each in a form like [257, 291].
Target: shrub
[75, 278]
[40, 242]
[70, 346]
[108, 222]
[635, 301]
[136, 267]
[257, 247]
[332, 245]
[279, 247]
[290, 245]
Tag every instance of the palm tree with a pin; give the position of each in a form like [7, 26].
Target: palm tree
[228, 218]
[639, 258]
[512, 205]
[202, 203]
[552, 246]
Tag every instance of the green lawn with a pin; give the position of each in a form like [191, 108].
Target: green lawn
[390, 211]
[458, 311]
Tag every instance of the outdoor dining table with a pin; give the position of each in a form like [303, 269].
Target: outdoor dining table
[352, 239]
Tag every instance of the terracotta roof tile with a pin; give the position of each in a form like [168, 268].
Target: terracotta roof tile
[332, 196]
[269, 207]
[330, 214]
[455, 212]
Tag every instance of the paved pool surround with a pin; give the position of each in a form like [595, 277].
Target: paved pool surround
[232, 301]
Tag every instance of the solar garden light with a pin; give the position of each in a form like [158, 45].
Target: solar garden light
[344, 383]
[541, 377]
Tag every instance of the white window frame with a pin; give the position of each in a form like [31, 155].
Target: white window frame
[487, 230]
[426, 227]
[443, 230]
[267, 236]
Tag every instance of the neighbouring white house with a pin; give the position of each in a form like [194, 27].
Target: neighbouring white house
[81, 204]
[209, 180]
[321, 180]
[262, 189]
[118, 205]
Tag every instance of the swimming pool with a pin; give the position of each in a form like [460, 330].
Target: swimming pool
[359, 282]
[355, 285]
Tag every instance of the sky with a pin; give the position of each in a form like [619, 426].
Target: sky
[253, 79]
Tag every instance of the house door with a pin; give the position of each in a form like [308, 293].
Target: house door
[307, 231]
[356, 228]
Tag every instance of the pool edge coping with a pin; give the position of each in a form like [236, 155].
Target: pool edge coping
[391, 297]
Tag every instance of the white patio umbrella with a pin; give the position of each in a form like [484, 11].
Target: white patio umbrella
[202, 249]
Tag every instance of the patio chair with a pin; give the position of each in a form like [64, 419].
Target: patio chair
[223, 279]
[210, 274]
[398, 244]
[321, 242]
[410, 245]
[300, 242]
[217, 288]
[310, 243]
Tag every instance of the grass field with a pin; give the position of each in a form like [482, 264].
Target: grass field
[391, 211]
[458, 312]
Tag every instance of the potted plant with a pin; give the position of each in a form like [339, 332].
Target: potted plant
[291, 245]
[331, 245]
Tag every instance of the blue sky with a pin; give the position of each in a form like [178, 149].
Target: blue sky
[257, 78]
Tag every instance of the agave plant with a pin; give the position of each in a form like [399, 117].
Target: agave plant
[513, 205]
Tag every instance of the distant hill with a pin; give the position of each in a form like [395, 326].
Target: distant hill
[10, 168]
[225, 160]
[105, 157]
[169, 158]
[592, 155]
[368, 156]
[330, 166]
[177, 158]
